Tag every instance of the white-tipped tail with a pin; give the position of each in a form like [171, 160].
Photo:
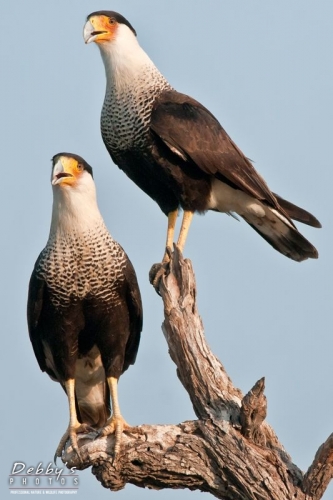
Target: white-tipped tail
[275, 227]
[282, 235]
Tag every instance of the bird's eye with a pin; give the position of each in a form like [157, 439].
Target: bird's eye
[79, 167]
[112, 20]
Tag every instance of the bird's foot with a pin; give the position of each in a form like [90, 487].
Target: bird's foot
[116, 425]
[158, 270]
[155, 274]
[71, 434]
[167, 255]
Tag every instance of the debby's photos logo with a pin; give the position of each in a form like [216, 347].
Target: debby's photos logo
[42, 480]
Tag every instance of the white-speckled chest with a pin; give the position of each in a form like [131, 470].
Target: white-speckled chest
[78, 266]
[127, 108]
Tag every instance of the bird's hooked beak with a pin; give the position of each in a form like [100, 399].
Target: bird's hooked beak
[65, 170]
[99, 29]
[88, 33]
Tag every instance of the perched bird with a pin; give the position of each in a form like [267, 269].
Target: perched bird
[84, 305]
[177, 152]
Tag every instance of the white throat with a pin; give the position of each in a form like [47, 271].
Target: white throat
[75, 210]
[124, 60]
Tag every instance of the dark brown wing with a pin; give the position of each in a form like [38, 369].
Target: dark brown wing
[189, 128]
[36, 294]
[297, 213]
[134, 304]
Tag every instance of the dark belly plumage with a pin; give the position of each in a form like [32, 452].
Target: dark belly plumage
[82, 295]
[168, 179]
[71, 331]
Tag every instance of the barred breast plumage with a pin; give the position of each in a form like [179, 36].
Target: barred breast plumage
[177, 152]
[84, 304]
[81, 266]
[130, 106]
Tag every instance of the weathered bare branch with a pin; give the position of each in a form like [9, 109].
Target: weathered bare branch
[229, 451]
[201, 373]
[320, 472]
[253, 412]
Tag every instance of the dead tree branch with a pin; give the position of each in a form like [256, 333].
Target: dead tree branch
[229, 451]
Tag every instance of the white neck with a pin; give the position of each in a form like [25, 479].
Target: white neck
[124, 59]
[75, 209]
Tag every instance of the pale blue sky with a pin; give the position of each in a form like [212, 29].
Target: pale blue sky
[265, 70]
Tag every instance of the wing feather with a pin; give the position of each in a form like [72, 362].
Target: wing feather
[134, 304]
[297, 213]
[36, 294]
[189, 128]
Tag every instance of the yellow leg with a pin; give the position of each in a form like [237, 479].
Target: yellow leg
[186, 222]
[116, 424]
[74, 426]
[172, 219]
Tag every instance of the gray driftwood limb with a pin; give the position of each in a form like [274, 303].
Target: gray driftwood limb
[229, 451]
[253, 412]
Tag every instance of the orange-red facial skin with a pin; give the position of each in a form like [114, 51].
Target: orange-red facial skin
[108, 26]
[73, 167]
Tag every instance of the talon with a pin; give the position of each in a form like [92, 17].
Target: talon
[115, 425]
[153, 271]
[156, 272]
[71, 434]
[167, 255]
[156, 281]
[85, 429]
